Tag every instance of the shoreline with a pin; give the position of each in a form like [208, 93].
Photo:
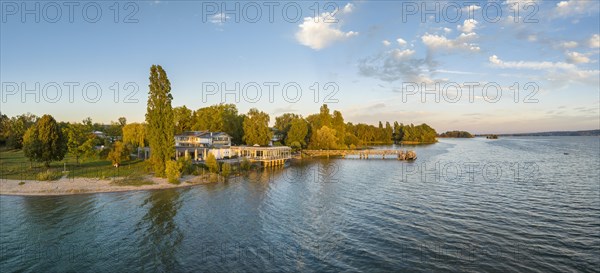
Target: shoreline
[73, 186]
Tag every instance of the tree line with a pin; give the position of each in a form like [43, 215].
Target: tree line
[456, 134]
[45, 140]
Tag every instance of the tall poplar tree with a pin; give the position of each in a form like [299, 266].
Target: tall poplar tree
[159, 120]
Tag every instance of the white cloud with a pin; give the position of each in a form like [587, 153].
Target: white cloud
[318, 33]
[594, 41]
[520, 2]
[575, 7]
[468, 26]
[393, 65]
[401, 41]
[386, 43]
[462, 42]
[577, 58]
[447, 30]
[559, 73]
[348, 8]
[529, 65]
[402, 54]
[219, 19]
[568, 44]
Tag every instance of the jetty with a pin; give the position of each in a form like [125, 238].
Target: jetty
[364, 154]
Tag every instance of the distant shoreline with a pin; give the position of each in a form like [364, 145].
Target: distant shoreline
[551, 133]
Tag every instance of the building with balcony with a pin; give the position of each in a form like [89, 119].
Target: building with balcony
[203, 139]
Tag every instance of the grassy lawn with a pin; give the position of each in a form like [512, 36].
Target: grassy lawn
[14, 165]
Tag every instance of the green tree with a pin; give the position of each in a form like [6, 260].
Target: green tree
[76, 137]
[13, 129]
[256, 128]
[337, 123]
[4, 121]
[220, 118]
[44, 141]
[159, 120]
[226, 169]
[115, 129]
[118, 153]
[211, 163]
[325, 139]
[135, 134]
[324, 117]
[283, 124]
[185, 164]
[182, 119]
[88, 148]
[122, 121]
[173, 171]
[297, 132]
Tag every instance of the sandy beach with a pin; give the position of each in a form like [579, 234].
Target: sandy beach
[67, 186]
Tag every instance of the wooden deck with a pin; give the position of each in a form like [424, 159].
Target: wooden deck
[399, 154]
[267, 156]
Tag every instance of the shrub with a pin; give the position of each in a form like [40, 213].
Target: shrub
[173, 171]
[211, 163]
[48, 175]
[226, 169]
[103, 153]
[118, 153]
[185, 163]
[245, 164]
[296, 145]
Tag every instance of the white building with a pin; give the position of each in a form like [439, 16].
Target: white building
[204, 139]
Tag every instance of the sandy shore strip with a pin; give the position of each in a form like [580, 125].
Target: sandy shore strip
[67, 186]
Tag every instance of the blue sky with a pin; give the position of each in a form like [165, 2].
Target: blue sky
[370, 59]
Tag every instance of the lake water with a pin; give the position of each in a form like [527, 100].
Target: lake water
[513, 204]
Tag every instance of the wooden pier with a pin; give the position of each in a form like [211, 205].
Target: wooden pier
[365, 154]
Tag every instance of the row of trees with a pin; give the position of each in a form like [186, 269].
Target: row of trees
[12, 129]
[46, 140]
[324, 130]
[456, 134]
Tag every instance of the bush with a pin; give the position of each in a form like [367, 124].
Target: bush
[185, 163]
[211, 163]
[245, 164]
[173, 170]
[118, 153]
[103, 153]
[48, 175]
[226, 169]
[296, 145]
